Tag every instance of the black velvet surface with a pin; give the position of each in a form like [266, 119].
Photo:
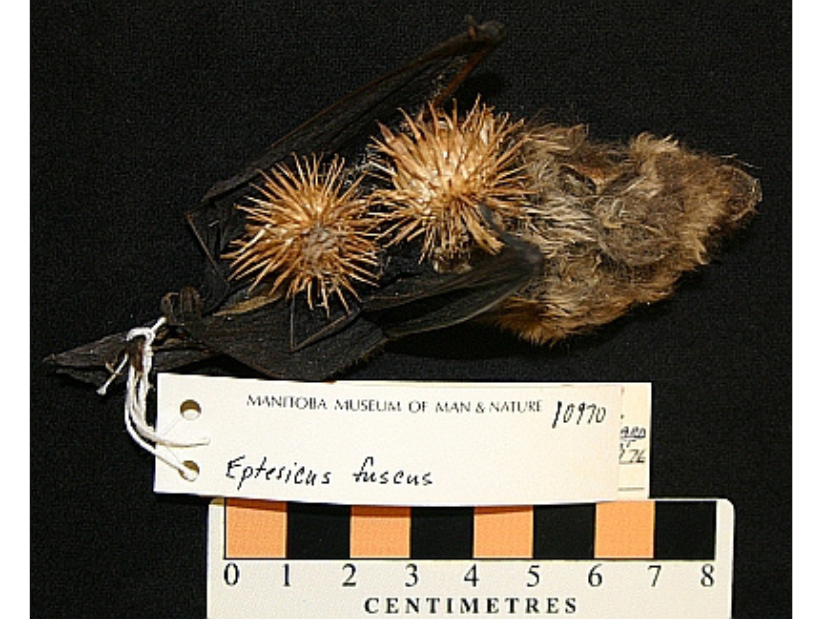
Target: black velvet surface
[137, 108]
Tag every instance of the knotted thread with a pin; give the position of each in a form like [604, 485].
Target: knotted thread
[137, 391]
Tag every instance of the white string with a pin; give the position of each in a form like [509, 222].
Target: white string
[113, 376]
[134, 410]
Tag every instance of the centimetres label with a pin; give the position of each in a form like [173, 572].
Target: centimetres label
[406, 444]
[639, 559]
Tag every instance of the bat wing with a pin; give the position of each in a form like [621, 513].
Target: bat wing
[416, 300]
[260, 339]
[284, 339]
[423, 300]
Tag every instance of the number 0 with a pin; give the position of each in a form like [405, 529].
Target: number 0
[231, 574]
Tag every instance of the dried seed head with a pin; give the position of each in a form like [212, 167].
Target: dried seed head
[307, 234]
[450, 179]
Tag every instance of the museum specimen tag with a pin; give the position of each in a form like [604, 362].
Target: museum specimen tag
[625, 559]
[403, 444]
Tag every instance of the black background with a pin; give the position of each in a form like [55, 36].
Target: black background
[137, 108]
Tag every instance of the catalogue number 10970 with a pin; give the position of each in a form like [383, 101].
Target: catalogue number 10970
[578, 413]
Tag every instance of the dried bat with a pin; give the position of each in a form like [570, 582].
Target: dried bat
[279, 336]
[390, 214]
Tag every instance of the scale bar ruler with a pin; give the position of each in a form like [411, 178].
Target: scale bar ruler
[642, 559]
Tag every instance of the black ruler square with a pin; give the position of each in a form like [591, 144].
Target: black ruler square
[564, 531]
[685, 530]
[318, 531]
[442, 533]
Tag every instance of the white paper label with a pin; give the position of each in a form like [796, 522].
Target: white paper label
[395, 443]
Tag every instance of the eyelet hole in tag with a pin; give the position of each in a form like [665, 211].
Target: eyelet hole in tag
[190, 410]
[194, 470]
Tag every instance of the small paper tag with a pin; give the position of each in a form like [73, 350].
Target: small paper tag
[393, 443]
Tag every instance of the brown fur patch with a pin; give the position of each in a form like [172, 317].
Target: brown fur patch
[617, 225]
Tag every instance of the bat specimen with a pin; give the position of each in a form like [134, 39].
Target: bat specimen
[392, 213]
